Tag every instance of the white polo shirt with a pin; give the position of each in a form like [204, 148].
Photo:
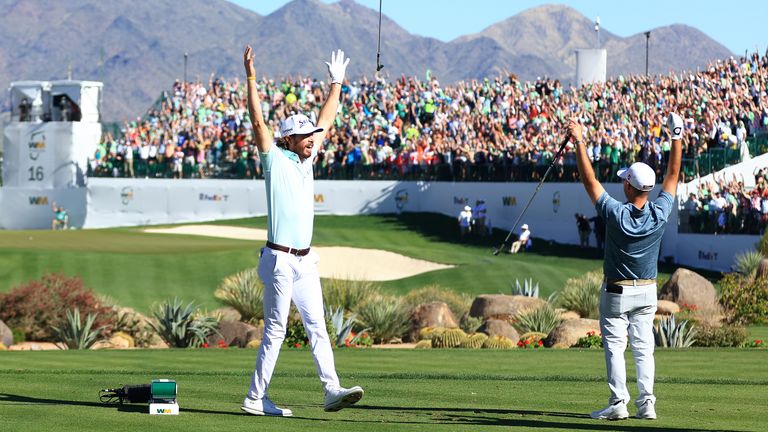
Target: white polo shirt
[290, 197]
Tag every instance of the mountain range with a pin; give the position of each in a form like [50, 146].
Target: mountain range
[137, 48]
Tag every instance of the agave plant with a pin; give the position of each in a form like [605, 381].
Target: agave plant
[528, 289]
[77, 334]
[671, 334]
[542, 319]
[244, 292]
[747, 263]
[179, 326]
[340, 326]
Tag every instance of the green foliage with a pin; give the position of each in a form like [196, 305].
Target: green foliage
[720, 336]
[244, 292]
[531, 340]
[18, 335]
[762, 245]
[745, 299]
[38, 306]
[458, 303]
[385, 318]
[469, 323]
[542, 319]
[450, 338]
[77, 334]
[498, 342]
[747, 263]
[179, 326]
[591, 340]
[295, 333]
[668, 333]
[340, 327]
[582, 294]
[474, 341]
[528, 289]
[348, 294]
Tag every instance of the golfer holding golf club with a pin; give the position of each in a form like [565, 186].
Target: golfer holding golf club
[628, 295]
[287, 266]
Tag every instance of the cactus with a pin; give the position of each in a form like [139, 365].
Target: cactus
[424, 344]
[427, 333]
[474, 341]
[253, 344]
[498, 342]
[450, 338]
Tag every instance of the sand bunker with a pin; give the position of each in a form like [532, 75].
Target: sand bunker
[335, 261]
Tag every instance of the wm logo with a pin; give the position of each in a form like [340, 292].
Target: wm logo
[38, 200]
[509, 201]
[319, 198]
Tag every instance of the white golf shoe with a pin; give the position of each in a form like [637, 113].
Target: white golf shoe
[340, 398]
[264, 406]
[617, 411]
[647, 410]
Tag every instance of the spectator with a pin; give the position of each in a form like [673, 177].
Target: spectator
[60, 218]
[523, 241]
[599, 230]
[582, 224]
[479, 213]
[465, 222]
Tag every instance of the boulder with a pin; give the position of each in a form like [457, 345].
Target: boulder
[434, 314]
[666, 307]
[227, 313]
[36, 346]
[501, 306]
[233, 333]
[567, 314]
[497, 327]
[569, 331]
[689, 288]
[6, 335]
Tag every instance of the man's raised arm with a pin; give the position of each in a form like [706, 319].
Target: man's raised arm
[675, 126]
[336, 68]
[261, 132]
[587, 174]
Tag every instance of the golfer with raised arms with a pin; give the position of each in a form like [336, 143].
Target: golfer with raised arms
[287, 265]
[628, 294]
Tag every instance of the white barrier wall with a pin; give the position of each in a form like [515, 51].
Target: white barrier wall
[129, 202]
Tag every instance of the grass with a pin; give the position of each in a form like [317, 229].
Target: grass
[127, 264]
[451, 390]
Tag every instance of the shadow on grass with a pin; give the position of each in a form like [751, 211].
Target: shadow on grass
[6, 398]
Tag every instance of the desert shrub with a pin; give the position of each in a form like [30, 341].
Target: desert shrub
[670, 333]
[244, 292]
[295, 333]
[37, 306]
[77, 334]
[458, 303]
[745, 299]
[385, 318]
[762, 245]
[347, 294]
[747, 263]
[582, 294]
[135, 325]
[720, 336]
[541, 320]
[591, 340]
[180, 326]
[469, 323]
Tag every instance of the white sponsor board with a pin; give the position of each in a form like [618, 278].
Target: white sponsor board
[551, 216]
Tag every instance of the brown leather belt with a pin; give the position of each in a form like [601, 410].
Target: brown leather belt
[292, 251]
[631, 282]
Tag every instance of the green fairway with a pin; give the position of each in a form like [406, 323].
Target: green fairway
[138, 269]
[452, 390]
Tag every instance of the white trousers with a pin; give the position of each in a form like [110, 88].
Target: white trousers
[289, 277]
[630, 313]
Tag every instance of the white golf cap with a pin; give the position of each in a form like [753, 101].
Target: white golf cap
[298, 124]
[467, 208]
[525, 226]
[639, 175]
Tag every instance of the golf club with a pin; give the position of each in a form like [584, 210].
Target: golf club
[544, 177]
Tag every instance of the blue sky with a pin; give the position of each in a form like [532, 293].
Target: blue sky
[739, 25]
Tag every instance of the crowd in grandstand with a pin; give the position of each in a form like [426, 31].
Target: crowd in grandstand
[495, 129]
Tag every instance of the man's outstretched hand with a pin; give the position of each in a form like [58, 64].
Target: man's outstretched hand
[248, 62]
[337, 67]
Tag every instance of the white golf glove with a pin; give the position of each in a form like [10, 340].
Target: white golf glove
[337, 67]
[675, 126]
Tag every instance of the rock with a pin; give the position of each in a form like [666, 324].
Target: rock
[689, 288]
[6, 335]
[434, 314]
[569, 331]
[666, 307]
[566, 314]
[36, 346]
[496, 327]
[227, 313]
[501, 306]
[233, 333]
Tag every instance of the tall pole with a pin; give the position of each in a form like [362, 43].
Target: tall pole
[647, 44]
[185, 68]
